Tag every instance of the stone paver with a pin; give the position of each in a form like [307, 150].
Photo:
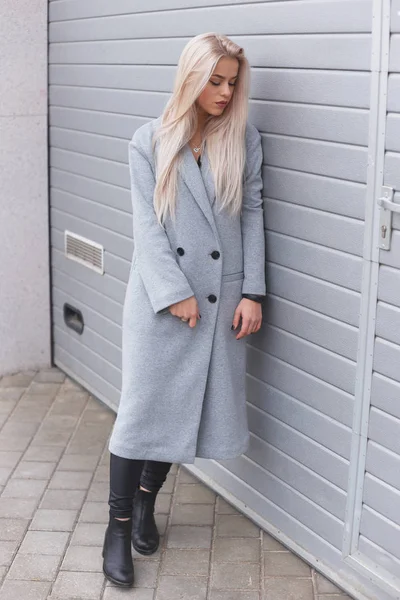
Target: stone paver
[54, 478]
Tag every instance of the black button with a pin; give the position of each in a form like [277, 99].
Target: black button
[212, 298]
[180, 251]
[215, 254]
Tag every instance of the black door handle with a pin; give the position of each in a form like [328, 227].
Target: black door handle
[73, 318]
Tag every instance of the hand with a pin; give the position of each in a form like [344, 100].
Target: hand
[251, 314]
[187, 309]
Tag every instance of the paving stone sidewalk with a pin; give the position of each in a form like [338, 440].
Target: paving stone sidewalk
[53, 513]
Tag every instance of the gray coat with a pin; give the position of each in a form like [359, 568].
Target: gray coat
[183, 389]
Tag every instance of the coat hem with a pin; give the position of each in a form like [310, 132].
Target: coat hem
[164, 457]
[225, 456]
[149, 455]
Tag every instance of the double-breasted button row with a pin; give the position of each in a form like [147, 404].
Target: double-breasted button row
[215, 254]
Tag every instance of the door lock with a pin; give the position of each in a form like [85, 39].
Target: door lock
[387, 207]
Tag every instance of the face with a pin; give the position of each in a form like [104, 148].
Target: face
[220, 87]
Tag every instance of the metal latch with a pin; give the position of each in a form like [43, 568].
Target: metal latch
[385, 222]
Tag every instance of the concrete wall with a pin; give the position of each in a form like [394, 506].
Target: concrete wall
[24, 254]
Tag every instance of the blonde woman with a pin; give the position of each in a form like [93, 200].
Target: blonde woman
[194, 293]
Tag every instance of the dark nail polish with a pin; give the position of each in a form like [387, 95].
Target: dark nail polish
[232, 327]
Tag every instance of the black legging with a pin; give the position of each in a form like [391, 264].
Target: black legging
[125, 475]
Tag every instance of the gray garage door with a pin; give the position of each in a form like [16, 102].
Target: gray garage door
[379, 524]
[111, 69]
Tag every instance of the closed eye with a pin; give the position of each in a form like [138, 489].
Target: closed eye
[231, 84]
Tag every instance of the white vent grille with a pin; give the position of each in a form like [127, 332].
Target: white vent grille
[84, 251]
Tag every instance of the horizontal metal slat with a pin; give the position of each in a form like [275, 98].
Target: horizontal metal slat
[88, 210]
[102, 123]
[85, 353]
[392, 170]
[329, 51]
[337, 124]
[393, 132]
[316, 294]
[316, 191]
[381, 531]
[383, 463]
[393, 92]
[381, 497]
[389, 285]
[384, 429]
[88, 143]
[100, 192]
[333, 88]
[312, 359]
[327, 399]
[328, 123]
[313, 327]
[385, 394]
[387, 359]
[74, 9]
[323, 263]
[388, 322]
[395, 16]
[265, 18]
[97, 385]
[100, 169]
[327, 229]
[311, 423]
[289, 501]
[316, 156]
[138, 103]
[300, 478]
[298, 446]
[116, 77]
[378, 556]
[394, 53]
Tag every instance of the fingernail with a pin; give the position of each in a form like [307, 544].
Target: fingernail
[232, 327]
[200, 316]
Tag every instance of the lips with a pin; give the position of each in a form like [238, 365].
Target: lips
[221, 103]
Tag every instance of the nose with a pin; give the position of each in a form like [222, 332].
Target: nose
[226, 91]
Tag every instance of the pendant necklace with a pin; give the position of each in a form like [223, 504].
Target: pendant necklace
[197, 148]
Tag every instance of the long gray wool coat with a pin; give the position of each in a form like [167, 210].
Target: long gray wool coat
[183, 389]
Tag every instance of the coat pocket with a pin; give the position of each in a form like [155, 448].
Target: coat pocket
[233, 276]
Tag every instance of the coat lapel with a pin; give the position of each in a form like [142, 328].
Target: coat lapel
[202, 190]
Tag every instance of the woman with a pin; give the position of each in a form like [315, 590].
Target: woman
[194, 291]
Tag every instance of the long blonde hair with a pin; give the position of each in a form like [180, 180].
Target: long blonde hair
[224, 134]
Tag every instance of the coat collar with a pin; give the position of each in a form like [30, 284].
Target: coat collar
[200, 184]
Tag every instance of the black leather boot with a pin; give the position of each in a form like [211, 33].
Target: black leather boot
[145, 536]
[117, 552]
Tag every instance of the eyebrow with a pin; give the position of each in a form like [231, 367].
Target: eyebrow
[221, 77]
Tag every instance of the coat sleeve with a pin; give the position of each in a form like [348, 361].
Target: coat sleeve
[163, 279]
[252, 217]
